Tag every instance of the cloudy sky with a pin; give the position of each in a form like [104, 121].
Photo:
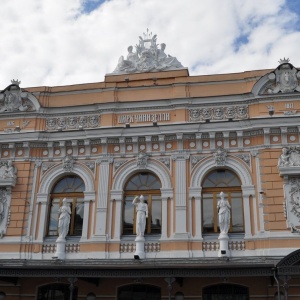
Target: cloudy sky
[62, 42]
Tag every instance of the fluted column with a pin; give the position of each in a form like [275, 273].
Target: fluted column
[116, 196]
[247, 192]
[195, 192]
[165, 194]
[102, 197]
[180, 195]
[88, 197]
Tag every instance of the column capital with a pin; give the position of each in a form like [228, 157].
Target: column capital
[105, 160]
[180, 156]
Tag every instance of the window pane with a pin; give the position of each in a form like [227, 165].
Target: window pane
[208, 213]
[143, 181]
[53, 222]
[69, 184]
[237, 212]
[128, 218]
[79, 210]
[156, 215]
[221, 178]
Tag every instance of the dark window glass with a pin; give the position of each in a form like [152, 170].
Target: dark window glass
[225, 292]
[214, 183]
[148, 185]
[139, 292]
[56, 291]
[72, 188]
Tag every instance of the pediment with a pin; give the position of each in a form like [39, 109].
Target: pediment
[14, 99]
[284, 79]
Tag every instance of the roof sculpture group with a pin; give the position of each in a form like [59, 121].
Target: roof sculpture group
[148, 57]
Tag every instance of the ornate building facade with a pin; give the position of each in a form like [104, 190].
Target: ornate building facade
[151, 129]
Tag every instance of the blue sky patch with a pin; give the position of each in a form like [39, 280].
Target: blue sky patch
[294, 6]
[90, 5]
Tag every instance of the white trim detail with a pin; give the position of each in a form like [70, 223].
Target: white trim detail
[126, 170]
[210, 165]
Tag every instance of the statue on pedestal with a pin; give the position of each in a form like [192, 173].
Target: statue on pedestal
[141, 214]
[64, 219]
[224, 214]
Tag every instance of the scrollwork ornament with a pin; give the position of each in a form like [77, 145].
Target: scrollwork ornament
[195, 159]
[245, 158]
[165, 161]
[118, 163]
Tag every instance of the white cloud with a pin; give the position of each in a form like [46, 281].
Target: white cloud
[52, 42]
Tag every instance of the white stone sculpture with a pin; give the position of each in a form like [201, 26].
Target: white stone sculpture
[141, 215]
[147, 58]
[290, 157]
[283, 160]
[7, 170]
[64, 219]
[13, 99]
[223, 207]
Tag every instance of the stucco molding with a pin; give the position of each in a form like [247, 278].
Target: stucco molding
[127, 169]
[82, 171]
[207, 165]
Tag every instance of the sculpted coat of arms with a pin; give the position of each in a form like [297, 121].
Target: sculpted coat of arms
[286, 78]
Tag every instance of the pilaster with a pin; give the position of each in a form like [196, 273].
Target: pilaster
[180, 195]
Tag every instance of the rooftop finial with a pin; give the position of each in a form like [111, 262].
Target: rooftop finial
[16, 82]
[284, 61]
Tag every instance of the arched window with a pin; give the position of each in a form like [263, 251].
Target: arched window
[139, 291]
[225, 291]
[56, 291]
[221, 181]
[70, 187]
[148, 185]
